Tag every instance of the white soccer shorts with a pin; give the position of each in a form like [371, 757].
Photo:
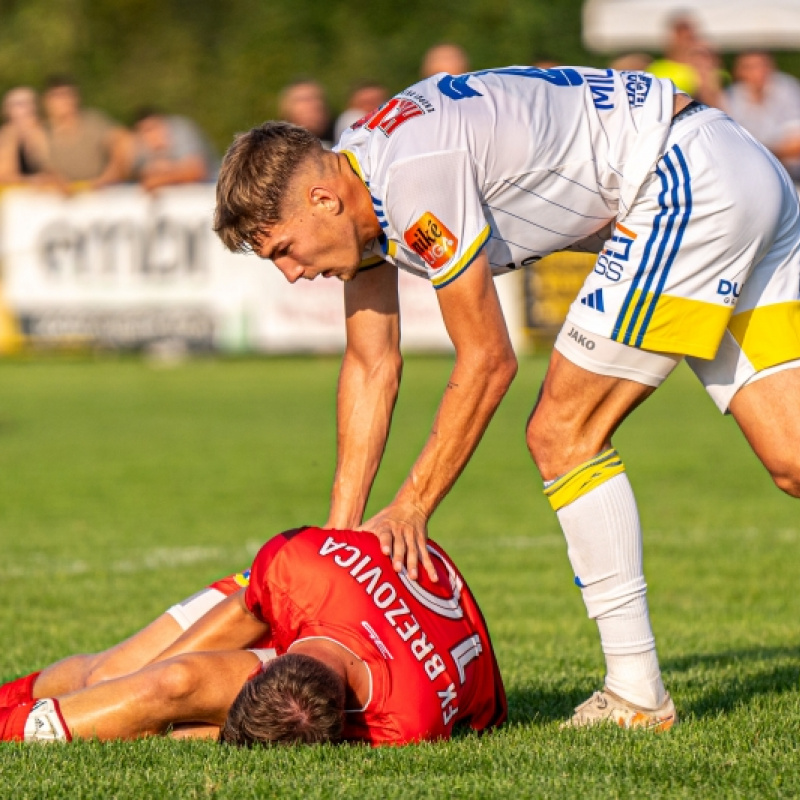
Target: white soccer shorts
[706, 264]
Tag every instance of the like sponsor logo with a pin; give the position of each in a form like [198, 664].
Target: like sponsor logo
[430, 239]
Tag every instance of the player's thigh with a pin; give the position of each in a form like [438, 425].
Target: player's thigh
[768, 412]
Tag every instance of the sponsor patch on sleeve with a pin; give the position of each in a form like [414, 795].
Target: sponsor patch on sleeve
[430, 239]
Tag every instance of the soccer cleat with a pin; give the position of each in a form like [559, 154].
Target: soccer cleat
[605, 706]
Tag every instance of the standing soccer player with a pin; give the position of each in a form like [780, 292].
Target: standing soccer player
[460, 178]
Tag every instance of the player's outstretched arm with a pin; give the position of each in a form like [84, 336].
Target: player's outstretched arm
[368, 385]
[484, 368]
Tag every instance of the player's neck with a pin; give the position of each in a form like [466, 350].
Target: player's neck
[357, 199]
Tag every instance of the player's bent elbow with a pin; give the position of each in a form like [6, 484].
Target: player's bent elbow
[502, 371]
[175, 680]
[787, 475]
[381, 367]
[509, 368]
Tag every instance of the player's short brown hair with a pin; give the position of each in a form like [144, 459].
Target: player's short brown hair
[253, 178]
[295, 699]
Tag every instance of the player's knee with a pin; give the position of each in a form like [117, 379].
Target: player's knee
[93, 669]
[547, 443]
[534, 438]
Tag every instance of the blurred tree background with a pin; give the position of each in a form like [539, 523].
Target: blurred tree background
[224, 63]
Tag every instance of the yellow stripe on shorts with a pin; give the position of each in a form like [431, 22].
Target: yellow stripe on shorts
[584, 478]
[769, 335]
[679, 325]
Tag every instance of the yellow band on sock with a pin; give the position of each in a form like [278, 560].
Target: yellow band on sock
[584, 478]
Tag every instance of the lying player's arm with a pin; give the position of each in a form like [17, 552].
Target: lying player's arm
[368, 384]
[227, 626]
[192, 688]
[484, 368]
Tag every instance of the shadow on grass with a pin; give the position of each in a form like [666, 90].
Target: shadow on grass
[542, 706]
[706, 677]
[722, 687]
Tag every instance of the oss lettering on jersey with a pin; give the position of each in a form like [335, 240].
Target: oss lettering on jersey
[430, 238]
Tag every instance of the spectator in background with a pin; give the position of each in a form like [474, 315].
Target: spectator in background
[767, 103]
[23, 143]
[364, 99]
[84, 145]
[444, 57]
[690, 63]
[303, 103]
[632, 62]
[169, 149]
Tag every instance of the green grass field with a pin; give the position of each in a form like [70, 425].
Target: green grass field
[124, 488]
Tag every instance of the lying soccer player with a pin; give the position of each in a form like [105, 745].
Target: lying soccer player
[344, 648]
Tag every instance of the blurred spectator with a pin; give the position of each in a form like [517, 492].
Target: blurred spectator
[690, 63]
[83, 144]
[632, 62]
[23, 143]
[444, 57]
[169, 149]
[767, 103]
[303, 103]
[363, 100]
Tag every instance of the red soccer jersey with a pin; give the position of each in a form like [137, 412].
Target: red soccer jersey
[426, 645]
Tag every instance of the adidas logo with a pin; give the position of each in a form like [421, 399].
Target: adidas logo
[594, 300]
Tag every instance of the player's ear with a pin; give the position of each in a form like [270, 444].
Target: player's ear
[325, 198]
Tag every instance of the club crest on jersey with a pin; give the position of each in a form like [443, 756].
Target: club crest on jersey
[430, 239]
[390, 116]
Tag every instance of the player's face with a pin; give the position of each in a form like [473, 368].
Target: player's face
[312, 242]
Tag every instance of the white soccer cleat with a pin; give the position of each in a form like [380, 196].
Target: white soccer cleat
[605, 706]
[45, 724]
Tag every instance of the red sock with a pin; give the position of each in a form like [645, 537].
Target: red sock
[12, 722]
[19, 691]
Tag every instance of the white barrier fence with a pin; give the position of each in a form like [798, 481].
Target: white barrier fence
[124, 268]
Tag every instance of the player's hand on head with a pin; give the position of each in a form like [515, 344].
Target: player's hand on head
[403, 534]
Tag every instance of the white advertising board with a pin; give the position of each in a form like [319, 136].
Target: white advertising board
[611, 26]
[124, 268]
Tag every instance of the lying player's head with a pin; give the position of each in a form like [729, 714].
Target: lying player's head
[294, 699]
[254, 180]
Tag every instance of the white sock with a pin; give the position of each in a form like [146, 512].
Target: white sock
[45, 723]
[604, 541]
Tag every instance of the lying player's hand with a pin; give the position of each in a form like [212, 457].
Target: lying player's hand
[403, 533]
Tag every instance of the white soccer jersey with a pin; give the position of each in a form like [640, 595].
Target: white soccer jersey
[520, 161]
